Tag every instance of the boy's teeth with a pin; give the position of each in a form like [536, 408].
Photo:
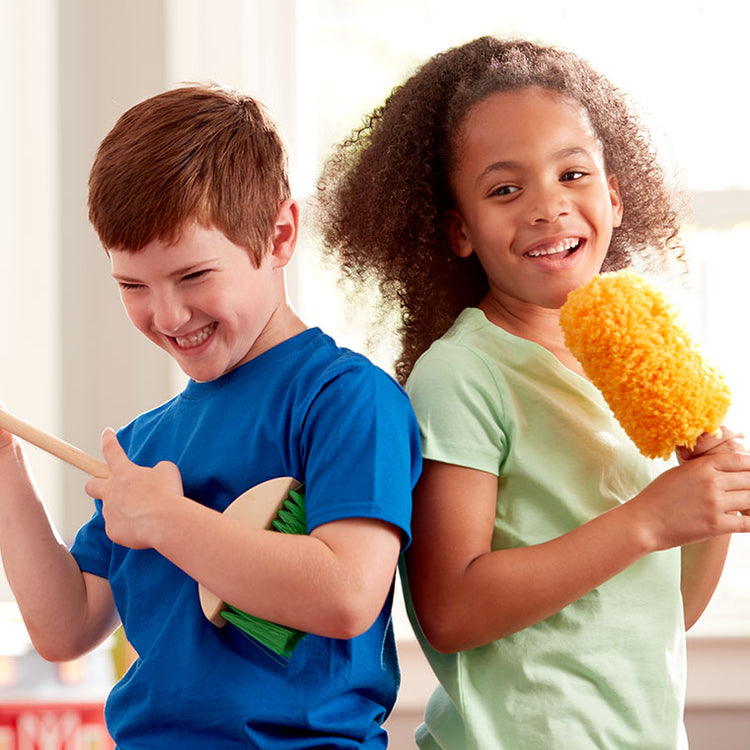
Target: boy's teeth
[561, 247]
[196, 338]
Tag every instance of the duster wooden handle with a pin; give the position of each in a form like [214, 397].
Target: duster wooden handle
[54, 445]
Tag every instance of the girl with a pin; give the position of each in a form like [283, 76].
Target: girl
[553, 570]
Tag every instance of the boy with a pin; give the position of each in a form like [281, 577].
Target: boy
[190, 198]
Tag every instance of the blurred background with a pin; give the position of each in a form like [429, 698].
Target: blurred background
[73, 364]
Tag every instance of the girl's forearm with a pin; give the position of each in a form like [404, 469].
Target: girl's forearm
[467, 595]
[702, 565]
[504, 591]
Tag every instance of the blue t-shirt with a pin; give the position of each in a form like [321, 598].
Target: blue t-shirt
[306, 409]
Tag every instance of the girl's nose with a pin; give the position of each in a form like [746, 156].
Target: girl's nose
[548, 204]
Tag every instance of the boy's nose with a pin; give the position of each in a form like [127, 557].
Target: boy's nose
[169, 314]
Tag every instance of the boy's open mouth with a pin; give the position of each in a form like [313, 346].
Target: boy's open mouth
[562, 248]
[195, 339]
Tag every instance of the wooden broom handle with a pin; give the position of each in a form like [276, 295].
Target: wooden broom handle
[65, 451]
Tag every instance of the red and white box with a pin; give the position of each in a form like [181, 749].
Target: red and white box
[53, 726]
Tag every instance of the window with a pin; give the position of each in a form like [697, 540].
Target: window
[677, 61]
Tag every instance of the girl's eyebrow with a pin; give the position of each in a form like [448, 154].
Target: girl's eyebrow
[497, 166]
[563, 153]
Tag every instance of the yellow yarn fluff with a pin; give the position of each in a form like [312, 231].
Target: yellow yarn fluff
[627, 337]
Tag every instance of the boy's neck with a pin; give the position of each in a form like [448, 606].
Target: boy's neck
[284, 325]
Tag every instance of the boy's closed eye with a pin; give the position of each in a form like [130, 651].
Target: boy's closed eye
[195, 275]
[190, 276]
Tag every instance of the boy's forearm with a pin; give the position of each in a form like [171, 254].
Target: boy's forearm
[332, 583]
[47, 584]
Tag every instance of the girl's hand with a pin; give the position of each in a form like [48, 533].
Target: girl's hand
[700, 499]
[134, 497]
[708, 443]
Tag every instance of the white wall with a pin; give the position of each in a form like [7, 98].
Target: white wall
[72, 363]
[29, 249]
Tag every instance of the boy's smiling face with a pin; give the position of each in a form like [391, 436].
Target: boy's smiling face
[203, 301]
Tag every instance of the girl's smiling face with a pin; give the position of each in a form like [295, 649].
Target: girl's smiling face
[533, 199]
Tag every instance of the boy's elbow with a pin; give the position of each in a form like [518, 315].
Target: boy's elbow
[57, 649]
[62, 644]
[352, 610]
[352, 618]
[346, 630]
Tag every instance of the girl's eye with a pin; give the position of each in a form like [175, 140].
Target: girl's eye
[125, 286]
[505, 190]
[571, 175]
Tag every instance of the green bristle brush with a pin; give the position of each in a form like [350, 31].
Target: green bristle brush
[275, 504]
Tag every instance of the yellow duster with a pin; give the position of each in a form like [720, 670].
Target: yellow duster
[627, 337]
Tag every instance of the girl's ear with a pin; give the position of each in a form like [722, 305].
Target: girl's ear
[455, 231]
[285, 231]
[616, 198]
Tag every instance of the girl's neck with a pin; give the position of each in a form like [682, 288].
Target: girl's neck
[537, 324]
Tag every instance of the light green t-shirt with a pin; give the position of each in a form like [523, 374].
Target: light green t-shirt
[608, 671]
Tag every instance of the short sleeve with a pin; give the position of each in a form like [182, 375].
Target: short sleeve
[92, 548]
[360, 444]
[459, 408]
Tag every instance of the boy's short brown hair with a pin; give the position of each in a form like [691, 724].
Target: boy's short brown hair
[194, 153]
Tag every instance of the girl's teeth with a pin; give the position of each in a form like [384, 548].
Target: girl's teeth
[197, 338]
[560, 247]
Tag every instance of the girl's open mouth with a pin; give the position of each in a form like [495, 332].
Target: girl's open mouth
[562, 248]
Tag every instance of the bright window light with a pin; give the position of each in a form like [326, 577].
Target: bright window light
[678, 61]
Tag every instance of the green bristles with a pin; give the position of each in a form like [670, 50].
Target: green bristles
[276, 638]
[282, 641]
[291, 518]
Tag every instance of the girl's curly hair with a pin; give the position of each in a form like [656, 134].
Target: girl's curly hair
[384, 191]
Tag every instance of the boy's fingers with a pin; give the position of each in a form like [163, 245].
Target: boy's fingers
[94, 487]
[111, 448]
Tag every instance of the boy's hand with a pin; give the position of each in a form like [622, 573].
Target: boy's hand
[133, 497]
[6, 438]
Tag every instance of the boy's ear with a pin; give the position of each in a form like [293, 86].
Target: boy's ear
[453, 225]
[285, 230]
